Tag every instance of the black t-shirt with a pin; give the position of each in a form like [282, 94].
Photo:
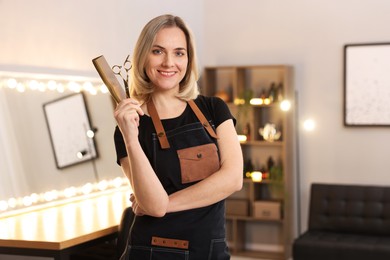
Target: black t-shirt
[213, 108]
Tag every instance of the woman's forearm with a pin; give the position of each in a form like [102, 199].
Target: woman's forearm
[149, 192]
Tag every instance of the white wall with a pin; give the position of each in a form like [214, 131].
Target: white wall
[62, 36]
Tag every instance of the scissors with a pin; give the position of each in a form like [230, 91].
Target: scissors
[123, 72]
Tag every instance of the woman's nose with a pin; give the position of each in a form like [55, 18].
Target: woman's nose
[168, 60]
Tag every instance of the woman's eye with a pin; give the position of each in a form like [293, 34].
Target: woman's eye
[156, 51]
[180, 53]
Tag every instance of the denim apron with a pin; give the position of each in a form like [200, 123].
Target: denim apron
[196, 234]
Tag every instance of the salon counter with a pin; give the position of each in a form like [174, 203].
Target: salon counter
[56, 231]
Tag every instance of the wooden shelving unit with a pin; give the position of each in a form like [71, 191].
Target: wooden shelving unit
[259, 217]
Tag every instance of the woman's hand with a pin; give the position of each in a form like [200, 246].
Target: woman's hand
[127, 115]
[135, 206]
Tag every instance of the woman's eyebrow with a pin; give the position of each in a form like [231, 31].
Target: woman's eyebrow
[177, 49]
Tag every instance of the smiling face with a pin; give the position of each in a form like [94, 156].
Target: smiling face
[168, 59]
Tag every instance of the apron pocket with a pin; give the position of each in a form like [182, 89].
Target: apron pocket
[198, 162]
[219, 250]
[154, 253]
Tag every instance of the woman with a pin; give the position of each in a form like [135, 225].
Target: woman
[178, 149]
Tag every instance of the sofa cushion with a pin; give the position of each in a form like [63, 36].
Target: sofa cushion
[353, 209]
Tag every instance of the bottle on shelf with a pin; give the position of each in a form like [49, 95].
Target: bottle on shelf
[280, 94]
[272, 93]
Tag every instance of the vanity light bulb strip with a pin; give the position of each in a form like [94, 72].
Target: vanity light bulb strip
[22, 83]
[58, 196]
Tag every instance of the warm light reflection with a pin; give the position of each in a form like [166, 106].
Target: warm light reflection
[28, 226]
[102, 206]
[87, 216]
[50, 222]
[69, 216]
[70, 223]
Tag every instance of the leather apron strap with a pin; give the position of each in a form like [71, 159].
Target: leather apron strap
[202, 118]
[162, 137]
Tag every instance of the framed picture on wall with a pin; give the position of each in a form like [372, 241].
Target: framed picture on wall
[367, 84]
[70, 130]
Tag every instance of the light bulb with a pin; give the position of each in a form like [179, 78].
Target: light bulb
[285, 105]
[256, 176]
[309, 125]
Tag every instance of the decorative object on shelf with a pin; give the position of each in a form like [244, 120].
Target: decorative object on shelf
[276, 186]
[272, 93]
[248, 168]
[269, 132]
[270, 163]
[279, 91]
[270, 210]
[247, 131]
[243, 110]
[224, 95]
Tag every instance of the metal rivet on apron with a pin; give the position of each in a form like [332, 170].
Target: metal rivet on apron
[161, 134]
[199, 155]
[205, 124]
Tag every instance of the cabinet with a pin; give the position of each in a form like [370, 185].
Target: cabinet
[259, 218]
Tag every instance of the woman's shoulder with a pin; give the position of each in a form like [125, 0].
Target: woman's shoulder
[215, 107]
[209, 102]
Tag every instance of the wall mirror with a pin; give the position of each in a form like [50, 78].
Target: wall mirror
[71, 133]
[367, 84]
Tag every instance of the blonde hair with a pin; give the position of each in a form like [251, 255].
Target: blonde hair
[140, 85]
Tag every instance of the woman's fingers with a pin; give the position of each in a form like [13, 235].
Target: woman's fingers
[127, 111]
[134, 205]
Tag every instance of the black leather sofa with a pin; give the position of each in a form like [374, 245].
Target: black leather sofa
[346, 222]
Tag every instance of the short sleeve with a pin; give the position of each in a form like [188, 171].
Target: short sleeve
[120, 146]
[213, 108]
[220, 111]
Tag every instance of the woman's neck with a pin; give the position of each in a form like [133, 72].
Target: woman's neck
[168, 106]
